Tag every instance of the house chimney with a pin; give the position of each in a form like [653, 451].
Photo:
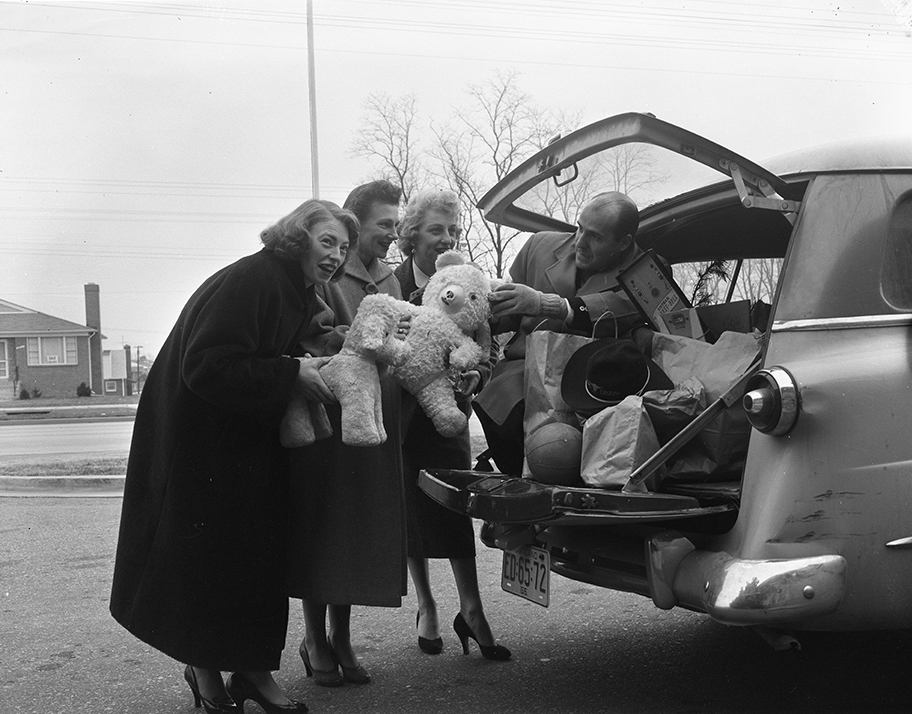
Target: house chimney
[93, 320]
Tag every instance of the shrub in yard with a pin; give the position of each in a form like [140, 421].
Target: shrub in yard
[24, 394]
[36, 392]
[83, 390]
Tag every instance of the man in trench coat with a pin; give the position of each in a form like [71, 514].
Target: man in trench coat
[562, 282]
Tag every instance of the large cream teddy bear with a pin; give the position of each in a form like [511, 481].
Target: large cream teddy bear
[353, 378]
[454, 307]
[438, 346]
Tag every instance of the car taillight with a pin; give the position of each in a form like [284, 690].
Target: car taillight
[771, 401]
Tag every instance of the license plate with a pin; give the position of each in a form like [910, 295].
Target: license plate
[527, 573]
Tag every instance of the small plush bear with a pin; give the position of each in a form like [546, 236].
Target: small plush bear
[353, 378]
[454, 306]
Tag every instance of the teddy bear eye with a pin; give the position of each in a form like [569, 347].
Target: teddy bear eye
[473, 296]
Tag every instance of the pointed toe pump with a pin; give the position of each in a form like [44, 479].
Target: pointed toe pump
[464, 632]
[353, 675]
[242, 689]
[217, 705]
[427, 645]
[323, 677]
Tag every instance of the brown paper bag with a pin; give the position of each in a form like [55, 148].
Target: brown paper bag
[672, 409]
[546, 355]
[717, 366]
[616, 441]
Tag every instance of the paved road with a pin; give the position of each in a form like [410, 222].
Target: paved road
[60, 439]
[591, 651]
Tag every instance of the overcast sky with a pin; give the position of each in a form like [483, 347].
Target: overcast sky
[144, 145]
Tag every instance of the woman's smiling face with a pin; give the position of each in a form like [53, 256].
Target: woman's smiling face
[328, 247]
[437, 233]
[378, 231]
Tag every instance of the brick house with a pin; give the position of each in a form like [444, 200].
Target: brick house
[43, 352]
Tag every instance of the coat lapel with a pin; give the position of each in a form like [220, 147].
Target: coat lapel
[562, 273]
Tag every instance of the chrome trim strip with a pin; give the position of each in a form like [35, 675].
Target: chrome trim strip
[842, 323]
[900, 543]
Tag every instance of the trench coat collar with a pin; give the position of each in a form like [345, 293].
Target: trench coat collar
[367, 275]
[562, 273]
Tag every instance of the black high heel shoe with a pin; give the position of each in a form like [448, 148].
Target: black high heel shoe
[425, 644]
[212, 706]
[352, 675]
[323, 677]
[464, 632]
[241, 690]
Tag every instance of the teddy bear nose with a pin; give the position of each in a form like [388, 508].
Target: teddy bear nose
[453, 297]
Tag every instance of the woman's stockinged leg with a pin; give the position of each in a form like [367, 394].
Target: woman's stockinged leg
[315, 640]
[466, 574]
[428, 624]
[340, 635]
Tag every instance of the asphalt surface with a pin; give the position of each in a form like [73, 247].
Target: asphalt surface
[592, 650]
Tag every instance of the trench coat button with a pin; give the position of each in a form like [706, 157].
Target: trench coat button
[370, 289]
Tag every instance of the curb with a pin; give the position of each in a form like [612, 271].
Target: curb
[82, 486]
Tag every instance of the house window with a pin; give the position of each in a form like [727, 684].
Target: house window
[110, 386]
[4, 360]
[51, 350]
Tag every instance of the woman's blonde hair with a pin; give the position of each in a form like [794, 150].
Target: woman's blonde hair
[419, 204]
[290, 239]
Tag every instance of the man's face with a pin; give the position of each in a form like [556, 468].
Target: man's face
[598, 247]
[378, 231]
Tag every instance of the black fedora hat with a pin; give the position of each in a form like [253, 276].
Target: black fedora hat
[601, 373]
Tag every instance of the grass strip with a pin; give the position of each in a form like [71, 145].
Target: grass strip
[115, 466]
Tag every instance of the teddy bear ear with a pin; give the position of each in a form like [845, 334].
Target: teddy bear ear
[450, 257]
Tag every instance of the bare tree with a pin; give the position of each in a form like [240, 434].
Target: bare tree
[484, 142]
[389, 135]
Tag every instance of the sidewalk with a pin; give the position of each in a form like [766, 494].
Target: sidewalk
[92, 486]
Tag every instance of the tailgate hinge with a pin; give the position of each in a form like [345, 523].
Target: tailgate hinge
[770, 199]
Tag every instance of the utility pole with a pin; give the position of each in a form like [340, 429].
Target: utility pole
[138, 369]
[312, 87]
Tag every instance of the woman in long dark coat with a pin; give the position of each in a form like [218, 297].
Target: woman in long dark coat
[429, 227]
[347, 543]
[200, 564]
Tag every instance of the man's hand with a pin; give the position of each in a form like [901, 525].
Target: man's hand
[519, 299]
[515, 299]
[311, 383]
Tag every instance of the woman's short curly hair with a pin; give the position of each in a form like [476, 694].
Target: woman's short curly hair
[445, 201]
[290, 239]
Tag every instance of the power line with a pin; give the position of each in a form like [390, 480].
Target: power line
[553, 34]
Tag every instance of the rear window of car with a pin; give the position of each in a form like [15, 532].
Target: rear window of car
[850, 254]
[896, 271]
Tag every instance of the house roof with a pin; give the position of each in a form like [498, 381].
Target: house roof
[18, 321]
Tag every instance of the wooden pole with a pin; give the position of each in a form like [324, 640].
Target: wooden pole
[312, 90]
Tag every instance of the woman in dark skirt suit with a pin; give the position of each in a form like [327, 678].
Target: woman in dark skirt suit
[199, 572]
[347, 544]
[428, 228]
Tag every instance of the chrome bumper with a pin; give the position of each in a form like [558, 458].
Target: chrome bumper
[734, 591]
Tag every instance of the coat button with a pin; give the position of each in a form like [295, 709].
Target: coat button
[370, 289]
